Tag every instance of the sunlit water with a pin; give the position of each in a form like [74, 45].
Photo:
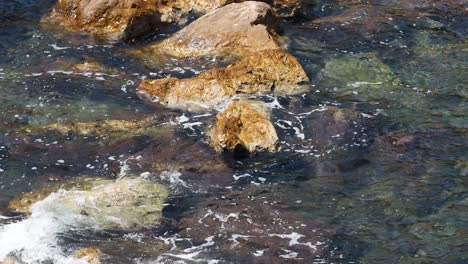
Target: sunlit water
[373, 166]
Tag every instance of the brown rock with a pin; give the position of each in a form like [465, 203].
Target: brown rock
[238, 28]
[260, 73]
[244, 125]
[123, 19]
[90, 255]
[89, 67]
[8, 261]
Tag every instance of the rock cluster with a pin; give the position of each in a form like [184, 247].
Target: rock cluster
[245, 29]
[238, 28]
[117, 19]
[127, 19]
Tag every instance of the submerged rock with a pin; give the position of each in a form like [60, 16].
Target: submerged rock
[117, 19]
[238, 29]
[23, 203]
[259, 73]
[244, 125]
[256, 222]
[126, 204]
[364, 70]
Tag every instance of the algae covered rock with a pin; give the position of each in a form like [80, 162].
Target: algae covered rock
[259, 73]
[363, 76]
[360, 70]
[244, 125]
[124, 19]
[23, 203]
[125, 204]
[238, 28]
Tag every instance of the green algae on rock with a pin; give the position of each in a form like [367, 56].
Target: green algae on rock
[360, 71]
[125, 204]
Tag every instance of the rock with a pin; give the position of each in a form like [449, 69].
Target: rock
[126, 204]
[238, 29]
[90, 255]
[116, 19]
[256, 222]
[8, 261]
[286, 8]
[244, 125]
[114, 130]
[90, 67]
[23, 203]
[358, 71]
[260, 73]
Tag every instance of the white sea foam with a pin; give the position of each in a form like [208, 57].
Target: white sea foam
[173, 177]
[36, 238]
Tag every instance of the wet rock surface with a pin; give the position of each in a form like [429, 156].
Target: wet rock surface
[244, 126]
[124, 204]
[124, 19]
[270, 71]
[257, 224]
[90, 255]
[372, 164]
[236, 29]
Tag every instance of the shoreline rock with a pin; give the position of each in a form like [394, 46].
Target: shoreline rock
[235, 29]
[244, 125]
[259, 73]
[125, 204]
[127, 19]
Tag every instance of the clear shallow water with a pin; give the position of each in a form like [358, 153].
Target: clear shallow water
[373, 167]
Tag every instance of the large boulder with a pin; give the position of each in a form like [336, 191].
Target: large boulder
[237, 28]
[244, 125]
[259, 73]
[124, 19]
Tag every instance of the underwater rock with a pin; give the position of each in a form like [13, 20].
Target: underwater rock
[259, 73]
[88, 66]
[235, 29]
[125, 204]
[363, 70]
[96, 128]
[365, 77]
[244, 125]
[256, 223]
[23, 203]
[90, 255]
[440, 69]
[127, 19]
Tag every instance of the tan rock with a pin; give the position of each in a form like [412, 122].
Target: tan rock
[244, 125]
[237, 28]
[123, 19]
[8, 261]
[260, 73]
[90, 255]
[89, 67]
[23, 203]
